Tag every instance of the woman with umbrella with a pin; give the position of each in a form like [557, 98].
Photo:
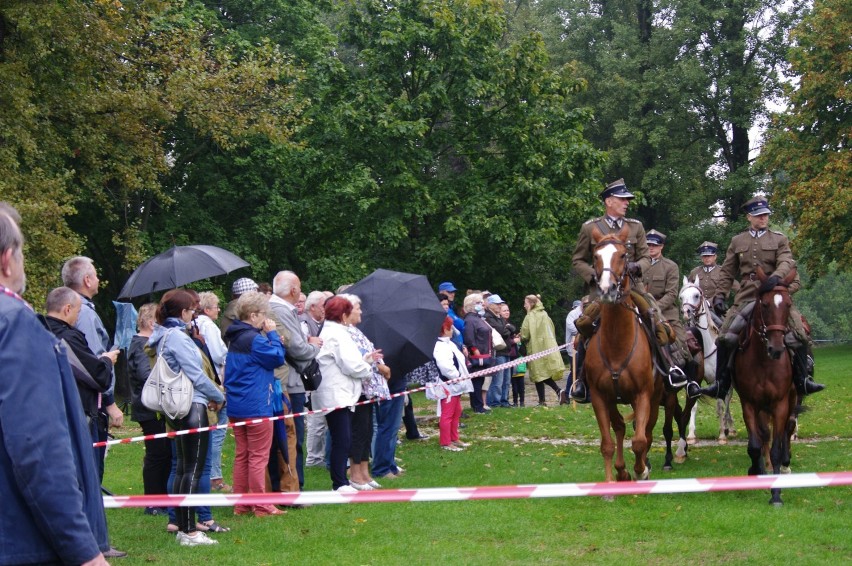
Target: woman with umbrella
[344, 369]
[181, 354]
[538, 333]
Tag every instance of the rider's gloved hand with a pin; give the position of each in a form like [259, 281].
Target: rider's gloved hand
[719, 305]
[769, 284]
[634, 269]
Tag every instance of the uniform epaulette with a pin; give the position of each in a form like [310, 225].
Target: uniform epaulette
[592, 220]
[632, 220]
[776, 232]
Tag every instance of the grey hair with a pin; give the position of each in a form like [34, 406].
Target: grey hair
[207, 300]
[252, 302]
[75, 270]
[284, 283]
[354, 299]
[470, 301]
[147, 316]
[59, 297]
[314, 298]
[11, 237]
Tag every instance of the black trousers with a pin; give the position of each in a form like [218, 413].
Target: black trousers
[157, 463]
[191, 453]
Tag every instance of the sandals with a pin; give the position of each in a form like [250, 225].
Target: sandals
[172, 528]
[211, 527]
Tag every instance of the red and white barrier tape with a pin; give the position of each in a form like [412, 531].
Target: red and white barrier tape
[692, 485]
[172, 434]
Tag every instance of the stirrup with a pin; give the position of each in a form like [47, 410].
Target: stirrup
[579, 392]
[677, 379]
[693, 391]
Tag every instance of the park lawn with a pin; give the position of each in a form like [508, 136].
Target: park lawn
[522, 446]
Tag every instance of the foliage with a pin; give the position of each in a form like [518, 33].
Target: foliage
[827, 304]
[808, 149]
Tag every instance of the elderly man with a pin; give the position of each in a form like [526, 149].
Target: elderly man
[229, 315]
[616, 199]
[79, 274]
[770, 250]
[315, 425]
[52, 509]
[286, 290]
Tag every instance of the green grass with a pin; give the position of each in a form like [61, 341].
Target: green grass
[520, 446]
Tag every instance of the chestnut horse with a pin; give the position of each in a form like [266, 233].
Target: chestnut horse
[618, 363]
[763, 378]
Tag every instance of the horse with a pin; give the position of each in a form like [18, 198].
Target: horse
[618, 364]
[696, 312]
[763, 378]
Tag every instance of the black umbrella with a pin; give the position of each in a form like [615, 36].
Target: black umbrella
[402, 316]
[177, 267]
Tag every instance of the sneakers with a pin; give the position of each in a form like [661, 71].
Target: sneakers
[374, 484]
[361, 486]
[563, 397]
[200, 539]
[422, 438]
[461, 444]
[346, 489]
[113, 552]
[452, 448]
[220, 486]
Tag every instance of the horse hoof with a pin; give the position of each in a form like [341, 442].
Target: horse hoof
[679, 460]
[732, 433]
[786, 470]
[778, 503]
[669, 467]
[691, 440]
[722, 441]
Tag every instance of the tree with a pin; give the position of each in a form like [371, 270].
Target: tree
[807, 153]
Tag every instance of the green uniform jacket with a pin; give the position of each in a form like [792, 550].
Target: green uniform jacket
[539, 334]
[771, 251]
[637, 248]
[707, 280]
[661, 280]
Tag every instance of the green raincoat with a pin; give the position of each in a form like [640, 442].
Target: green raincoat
[538, 333]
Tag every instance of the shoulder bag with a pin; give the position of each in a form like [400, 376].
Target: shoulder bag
[497, 340]
[308, 371]
[166, 391]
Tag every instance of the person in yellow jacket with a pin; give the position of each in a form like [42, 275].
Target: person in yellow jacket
[539, 334]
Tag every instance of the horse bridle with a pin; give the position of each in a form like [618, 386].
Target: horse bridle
[619, 279]
[763, 329]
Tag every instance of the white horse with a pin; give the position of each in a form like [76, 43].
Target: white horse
[696, 313]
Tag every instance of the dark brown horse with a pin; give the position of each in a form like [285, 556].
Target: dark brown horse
[618, 364]
[763, 378]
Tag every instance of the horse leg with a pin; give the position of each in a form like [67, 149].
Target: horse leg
[729, 420]
[607, 446]
[686, 421]
[755, 445]
[668, 433]
[641, 408]
[619, 427]
[721, 407]
[780, 444]
[690, 437]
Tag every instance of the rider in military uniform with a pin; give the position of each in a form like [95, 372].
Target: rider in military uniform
[708, 272]
[757, 247]
[661, 281]
[616, 199]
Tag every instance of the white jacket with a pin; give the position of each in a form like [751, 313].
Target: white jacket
[444, 353]
[343, 369]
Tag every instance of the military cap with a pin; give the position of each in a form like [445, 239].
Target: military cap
[708, 248]
[757, 206]
[655, 238]
[616, 189]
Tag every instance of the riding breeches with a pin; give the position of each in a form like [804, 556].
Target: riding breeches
[737, 318]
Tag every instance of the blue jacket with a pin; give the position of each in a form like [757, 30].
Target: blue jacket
[248, 370]
[181, 353]
[52, 505]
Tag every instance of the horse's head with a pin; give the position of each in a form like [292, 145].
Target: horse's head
[691, 298]
[610, 260]
[773, 311]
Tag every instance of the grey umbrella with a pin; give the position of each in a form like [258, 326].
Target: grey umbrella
[178, 266]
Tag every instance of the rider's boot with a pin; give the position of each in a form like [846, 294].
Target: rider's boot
[803, 367]
[579, 392]
[720, 388]
[693, 390]
[675, 377]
